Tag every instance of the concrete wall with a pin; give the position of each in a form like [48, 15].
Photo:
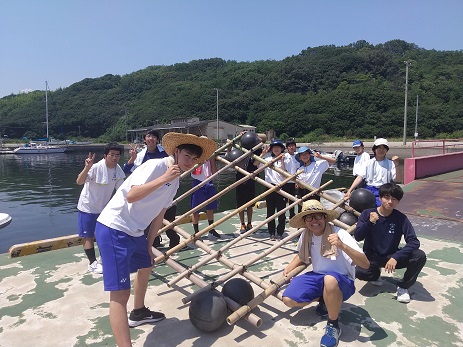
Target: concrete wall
[420, 167]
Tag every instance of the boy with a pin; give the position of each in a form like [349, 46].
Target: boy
[382, 228]
[334, 255]
[99, 180]
[141, 200]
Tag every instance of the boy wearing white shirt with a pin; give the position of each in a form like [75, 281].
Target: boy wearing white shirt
[99, 180]
[291, 165]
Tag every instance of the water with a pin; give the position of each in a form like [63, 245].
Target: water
[40, 194]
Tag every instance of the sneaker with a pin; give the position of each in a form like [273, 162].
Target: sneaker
[272, 237]
[321, 309]
[157, 241]
[146, 316]
[403, 295]
[243, 228]
[279, 237]
[248, 227]
[214, 233]
[95, 267]
[331, 337]
[378, 282]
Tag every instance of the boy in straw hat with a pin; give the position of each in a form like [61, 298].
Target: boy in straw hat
[334, 255]
[142, 199]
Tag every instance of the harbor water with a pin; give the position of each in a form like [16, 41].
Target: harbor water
[40, 193]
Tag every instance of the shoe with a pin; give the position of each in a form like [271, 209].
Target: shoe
[248, 227]
[378, 282]
[146, 316]
[272, 237]
[279, 237]
[157, 241]
[243, 229]
[321, 309]
[403, 295]
[331, 337]
[95, 267]
[214, 233]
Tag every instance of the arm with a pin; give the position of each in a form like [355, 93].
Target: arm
[328, 158]
[137, 193]
[411, 241]
[133, 155]
[153, 232]
[354, 185]
[213, 165]
[398, 172]
[291, 266]
[264, 152]
[365, 224]
[358, 258]
[88, 165]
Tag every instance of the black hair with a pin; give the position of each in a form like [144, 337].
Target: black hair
[113, 146]
[154, 133]
[290, 141]
[194, 149]
[391, 189]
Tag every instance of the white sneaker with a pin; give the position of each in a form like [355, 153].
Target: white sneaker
[378, 282]
[402, 295]
[95, 267]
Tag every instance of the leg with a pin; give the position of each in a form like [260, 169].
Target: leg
[140, 285]
[373, 272]
[333, 297]
[118, 316]
[249, 214]
[414, 266]
[174, 238]
[271, 206]
[281, 204]
[241, 214]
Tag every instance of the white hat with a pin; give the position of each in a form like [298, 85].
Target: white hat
[380, 142]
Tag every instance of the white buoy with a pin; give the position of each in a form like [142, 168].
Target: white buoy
[5, 219]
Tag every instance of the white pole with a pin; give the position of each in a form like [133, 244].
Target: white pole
[217, 102]
[46, 107]
[416, 119]
[407, 64]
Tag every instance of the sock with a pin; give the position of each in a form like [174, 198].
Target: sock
[196, 228]
[137, 311]
[321, 300]
[90, 254]
[211, 222]
[333, 323]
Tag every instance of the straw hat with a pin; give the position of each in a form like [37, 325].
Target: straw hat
[172, 140]
[312, 207]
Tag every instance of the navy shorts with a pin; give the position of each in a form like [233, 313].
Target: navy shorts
[202, 194]
[309, 286]
[121, 254]
[86, 223]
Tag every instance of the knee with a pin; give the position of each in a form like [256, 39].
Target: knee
[420, 256]
[331, 284]
[289, 302]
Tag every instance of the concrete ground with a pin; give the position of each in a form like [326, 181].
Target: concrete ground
[49, 299]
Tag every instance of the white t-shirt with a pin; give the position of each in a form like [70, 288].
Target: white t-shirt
[133, 218]
[291, 164]
[377, 173]
[342, 263]
[271, 176]
[94, 196]
[313, 173]
[360, 162]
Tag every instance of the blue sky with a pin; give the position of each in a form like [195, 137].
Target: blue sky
[65, 41]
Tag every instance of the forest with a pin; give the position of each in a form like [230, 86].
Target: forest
[352, 91]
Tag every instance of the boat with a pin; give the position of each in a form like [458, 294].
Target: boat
[41, 148]
[5, 219]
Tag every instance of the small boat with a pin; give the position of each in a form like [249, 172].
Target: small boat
[35, 148]
[39, 148]
[5, 219]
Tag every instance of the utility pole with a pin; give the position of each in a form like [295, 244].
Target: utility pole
[217, 102]
[407, 64]
[416, 119]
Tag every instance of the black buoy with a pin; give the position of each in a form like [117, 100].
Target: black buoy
[235, 153]
[249, 140]
[361, 199]
[239, 290]
[208, 311]
[348, 218]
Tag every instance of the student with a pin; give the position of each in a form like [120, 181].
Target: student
[152, 150]
[381, 228]
[99, 180]
[274, 200]
[313, 170]
[361, 159]
[378, 171]
[291, 165]
[142, 199]
[333, 254]
[200, 174]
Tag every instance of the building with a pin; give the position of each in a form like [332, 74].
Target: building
[208, 128]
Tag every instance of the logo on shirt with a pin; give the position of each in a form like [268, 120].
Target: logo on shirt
[392, 228]
[168, 184]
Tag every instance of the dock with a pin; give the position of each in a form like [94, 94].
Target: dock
[49, 299]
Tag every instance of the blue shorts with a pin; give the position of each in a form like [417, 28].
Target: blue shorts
[121, 254]
[202, 194]
[375, 191]
[86, 223]
[309, 286]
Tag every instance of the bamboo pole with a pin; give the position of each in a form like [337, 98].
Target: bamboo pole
[232, 305]
[223, 219]
[244, 310]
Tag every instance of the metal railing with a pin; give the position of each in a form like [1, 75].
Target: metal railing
[435, 147]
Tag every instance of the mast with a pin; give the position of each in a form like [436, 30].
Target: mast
[46, 106]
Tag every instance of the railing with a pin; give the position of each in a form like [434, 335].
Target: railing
[443, 146]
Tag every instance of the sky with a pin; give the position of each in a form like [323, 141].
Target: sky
[65, 41]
